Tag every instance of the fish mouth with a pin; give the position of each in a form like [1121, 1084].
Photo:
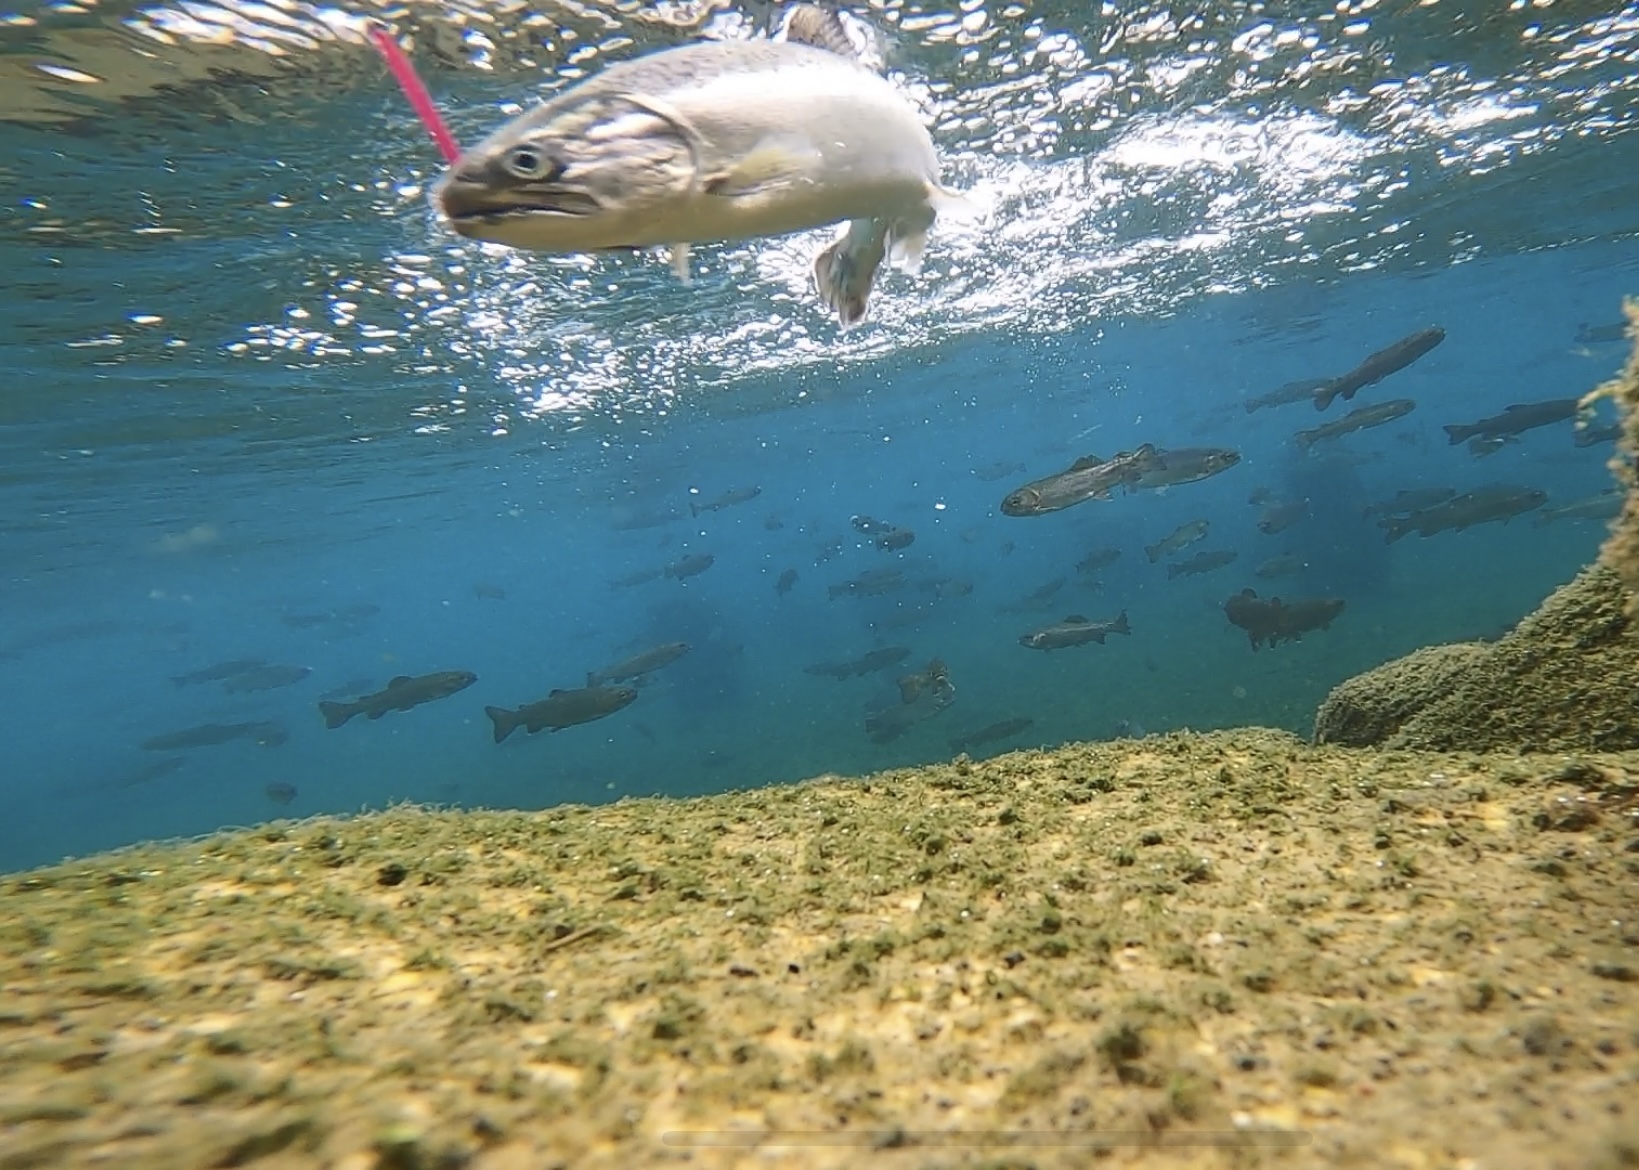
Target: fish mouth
[503, 212]
[472, 204]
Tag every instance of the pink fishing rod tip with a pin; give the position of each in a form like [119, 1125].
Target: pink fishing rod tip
[410, 82]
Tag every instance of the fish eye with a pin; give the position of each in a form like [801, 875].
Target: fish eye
[529, 162]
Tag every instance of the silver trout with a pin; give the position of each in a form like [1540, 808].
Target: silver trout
[720, 140]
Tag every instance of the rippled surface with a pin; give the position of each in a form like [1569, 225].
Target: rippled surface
[1132, 159]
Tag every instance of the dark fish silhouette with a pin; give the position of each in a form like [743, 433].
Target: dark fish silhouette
[1379, 366]
[1303, 391]
[1480, 506]
[1279, 515]
[690, 566]
[1181, 537]
[867, 663]
[921, 696]
[222, 670]
[1002, 729]
[1185, 465]
[560, 709]
[400, 694]
[265, 678]
[1356, 420]
[1409, 500]
[1074, 630]
[638, 665]
[726, 500]
[1277, 621]
[1514, 420]
[1203, 562]
[265, 733]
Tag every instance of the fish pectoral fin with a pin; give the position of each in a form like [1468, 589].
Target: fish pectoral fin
[905, 247]
[777, 161]
[959, 204]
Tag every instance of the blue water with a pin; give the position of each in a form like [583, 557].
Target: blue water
[203, 443]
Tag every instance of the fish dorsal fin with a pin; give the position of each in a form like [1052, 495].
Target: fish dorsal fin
[1085, 462]
[809, 24]
[1076, 619]
[397, 681]
[1147, 451]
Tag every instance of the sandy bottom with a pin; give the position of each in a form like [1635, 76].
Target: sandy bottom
[1228, 950]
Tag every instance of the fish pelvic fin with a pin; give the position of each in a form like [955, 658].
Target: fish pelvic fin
[846, 271]
[678, 254]
[335, 714]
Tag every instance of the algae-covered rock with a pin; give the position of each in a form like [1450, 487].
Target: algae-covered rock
[1366, 710]
[1621, 551]
[1219, 952]
[1565, 678]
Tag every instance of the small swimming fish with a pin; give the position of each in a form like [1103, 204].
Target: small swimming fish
[720, 140]
[400, 694]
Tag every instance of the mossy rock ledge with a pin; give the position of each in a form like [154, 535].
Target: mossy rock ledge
[1565, 679]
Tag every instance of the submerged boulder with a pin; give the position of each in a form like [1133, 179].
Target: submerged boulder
[1565, 679]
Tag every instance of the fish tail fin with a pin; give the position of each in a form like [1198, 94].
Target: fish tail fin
[1457, 433]
[1120, 626]
[1172, 571]
[845, 272]
[506, 722]
[1304, 439]
[1324, 396]
[1153, 551]
[335, 714]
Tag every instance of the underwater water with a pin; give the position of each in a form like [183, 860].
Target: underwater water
[260, 407]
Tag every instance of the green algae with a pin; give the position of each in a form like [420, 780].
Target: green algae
[1383, 955]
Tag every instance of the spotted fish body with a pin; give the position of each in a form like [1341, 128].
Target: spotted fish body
[723, 140]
